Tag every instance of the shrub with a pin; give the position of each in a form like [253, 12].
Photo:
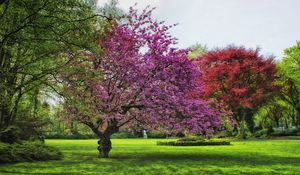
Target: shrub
[123, 135]
[193, 143]
[6, 155]
[28, 151]
[180, 134]
[156, 135]
[71, 136]
[261, 133]
[287, 132]
[192, 138]
[10, 135]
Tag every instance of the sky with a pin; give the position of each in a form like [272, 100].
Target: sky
[272, 25]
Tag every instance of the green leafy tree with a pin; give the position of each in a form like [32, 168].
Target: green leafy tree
[37, 39]
[289, 69]
[276, 113]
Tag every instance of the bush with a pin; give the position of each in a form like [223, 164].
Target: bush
[192, 138]
[180, 134]
[156, 135]
[71, 136]
[262, 133]
[287, 132]
[193, 143]
[10, 135]
[6, 154]
[123, 135]
[28, 151]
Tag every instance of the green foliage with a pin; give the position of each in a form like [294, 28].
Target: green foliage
[289, 69]
[10, 135]
[287, 132]
[37, 39]
[111, 10]
[276, 113]
[243, 131]
[197, 50]
[123, 135]
[269, 132]
[193, 141]
[261, 133]
[154, 134]
[192, 138]
[71, 136]
[28, 151]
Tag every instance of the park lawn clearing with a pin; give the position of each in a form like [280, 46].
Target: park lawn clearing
[143, 156]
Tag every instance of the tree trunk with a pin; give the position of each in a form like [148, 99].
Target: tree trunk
[249, 120]
[286, 123]
[298, 117]
[293, 116]
[5, 118]
[104, 146]
[242, 126]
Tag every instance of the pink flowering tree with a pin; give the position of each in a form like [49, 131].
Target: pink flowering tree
[139, 77]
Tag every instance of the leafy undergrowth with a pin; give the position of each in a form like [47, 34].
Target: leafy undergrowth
[28, 151]
[194, 141]
[139, 156]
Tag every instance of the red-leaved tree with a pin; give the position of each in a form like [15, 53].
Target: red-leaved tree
[240, 78]
[138, 78]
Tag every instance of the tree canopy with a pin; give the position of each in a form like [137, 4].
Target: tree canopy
[142, 79]
[38, 38]
[289, 69]
[241, 78]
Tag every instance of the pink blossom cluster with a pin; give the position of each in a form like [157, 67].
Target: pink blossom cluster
[147, 80]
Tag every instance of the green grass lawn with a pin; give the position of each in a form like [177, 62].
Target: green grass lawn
[139, 156]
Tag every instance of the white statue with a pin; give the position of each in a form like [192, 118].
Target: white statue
[145, 134]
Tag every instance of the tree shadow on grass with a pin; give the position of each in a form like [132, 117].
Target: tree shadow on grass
[17, 172]
[210, 159]
[134, 162]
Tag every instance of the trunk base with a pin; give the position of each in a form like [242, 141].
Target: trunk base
[104, 147]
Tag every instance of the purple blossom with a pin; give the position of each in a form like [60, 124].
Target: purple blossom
[147, 81]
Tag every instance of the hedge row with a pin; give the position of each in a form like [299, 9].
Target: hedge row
[193, 143]
[28, 151]
[292, 132]
[69, 136]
